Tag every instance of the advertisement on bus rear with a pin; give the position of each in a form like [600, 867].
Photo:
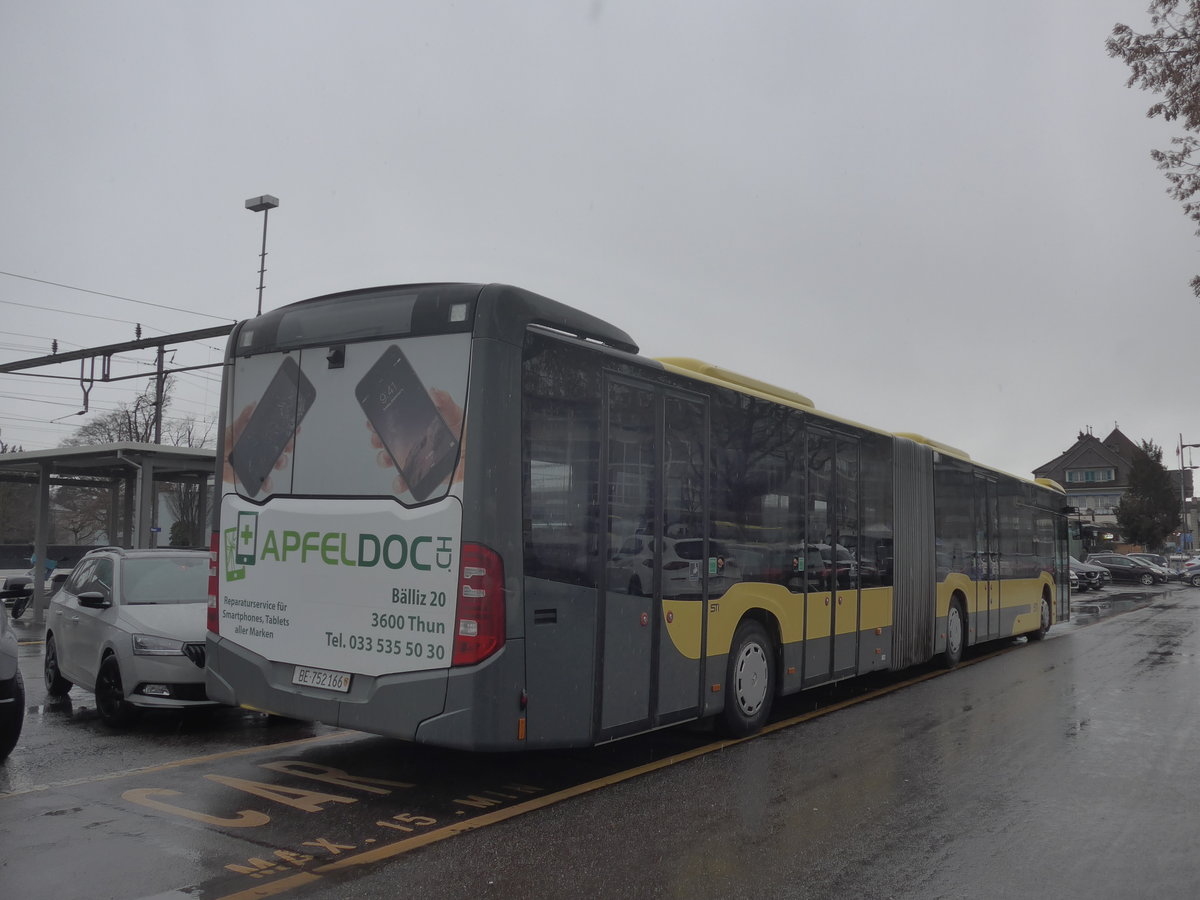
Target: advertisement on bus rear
[341, 511]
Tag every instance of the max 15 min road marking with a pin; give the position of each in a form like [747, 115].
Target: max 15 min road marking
[404, 822]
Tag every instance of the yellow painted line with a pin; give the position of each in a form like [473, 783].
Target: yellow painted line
[390, 851]
[180, 763]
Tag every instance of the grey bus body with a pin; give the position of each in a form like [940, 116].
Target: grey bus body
[633, 506]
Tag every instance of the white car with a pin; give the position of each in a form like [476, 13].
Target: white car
[1191, 571]
[631, 567]
[131, 625]
[12, 691]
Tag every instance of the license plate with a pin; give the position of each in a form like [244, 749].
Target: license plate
[321, 678]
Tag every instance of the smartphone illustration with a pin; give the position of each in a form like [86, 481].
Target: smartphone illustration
[272, 425]
[399, 408]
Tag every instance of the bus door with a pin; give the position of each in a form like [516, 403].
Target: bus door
[831, 571]
[651, 618]
[846, 522]
[987, 556]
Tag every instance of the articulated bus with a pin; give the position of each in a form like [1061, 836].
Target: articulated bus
[470, 516]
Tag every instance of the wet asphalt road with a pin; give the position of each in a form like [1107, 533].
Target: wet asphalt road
[1066, 768]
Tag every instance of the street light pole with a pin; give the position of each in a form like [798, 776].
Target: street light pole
[1184, 531]
[264, 205]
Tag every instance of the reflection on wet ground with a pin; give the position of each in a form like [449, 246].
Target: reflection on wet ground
[1090, 607]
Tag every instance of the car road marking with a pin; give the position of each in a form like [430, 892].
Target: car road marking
[179, 764]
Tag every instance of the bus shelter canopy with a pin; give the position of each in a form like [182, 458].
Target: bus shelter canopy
[137, 466]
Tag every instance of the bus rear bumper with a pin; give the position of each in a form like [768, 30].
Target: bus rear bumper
[391, 705]
[474, 708]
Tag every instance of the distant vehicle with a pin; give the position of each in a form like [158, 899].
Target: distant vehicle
[1091, 577]
[1161, 574]
[1191, 571]
[1126, 568]
[131, 625]
[15, 591]
[1158, 559]
[12, 690]
[18, 589]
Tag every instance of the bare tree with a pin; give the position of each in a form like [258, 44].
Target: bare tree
[87, 509]
[1165, 61]
[128, 422]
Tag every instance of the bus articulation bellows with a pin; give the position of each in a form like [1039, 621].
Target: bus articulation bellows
[470, 516]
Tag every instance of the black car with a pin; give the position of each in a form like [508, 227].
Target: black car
[12, 690]
[1126, 568]
[1091, 576]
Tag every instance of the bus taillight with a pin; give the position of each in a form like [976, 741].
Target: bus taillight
[214, 613]
[479, 622]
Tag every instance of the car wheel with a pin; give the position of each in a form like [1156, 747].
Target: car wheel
[1195, 579]
[12, 714]
[956, 634]
[110, 695]
[1044, 623]
[56, 685]
[749, 680]
[1146, 578]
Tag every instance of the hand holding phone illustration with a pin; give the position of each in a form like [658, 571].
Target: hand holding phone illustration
[452, 413]
[418, 430]
[264, 433]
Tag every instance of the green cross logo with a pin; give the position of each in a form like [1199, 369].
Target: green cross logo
[247, 538]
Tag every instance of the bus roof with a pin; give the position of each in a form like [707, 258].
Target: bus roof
[497, 311]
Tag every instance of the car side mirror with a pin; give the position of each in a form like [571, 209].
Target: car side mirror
[94, 600]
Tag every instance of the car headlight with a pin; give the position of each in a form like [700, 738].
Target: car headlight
[152, 645]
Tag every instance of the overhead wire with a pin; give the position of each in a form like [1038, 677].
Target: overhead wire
[72, 287]
[199, 409]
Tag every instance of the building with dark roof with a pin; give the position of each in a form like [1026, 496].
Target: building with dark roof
[1095, 474]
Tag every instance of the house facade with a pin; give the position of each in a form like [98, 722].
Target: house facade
[1095, 475]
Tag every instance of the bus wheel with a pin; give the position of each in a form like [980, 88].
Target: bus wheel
[749, 680]
[956, 635]
[1044, 625]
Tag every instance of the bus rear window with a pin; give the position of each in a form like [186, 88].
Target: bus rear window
[331, 322]
[363, 315]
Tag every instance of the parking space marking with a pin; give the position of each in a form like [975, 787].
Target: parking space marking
[180, 763]
[398, 848]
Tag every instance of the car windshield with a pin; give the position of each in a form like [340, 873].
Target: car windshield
[172, 579]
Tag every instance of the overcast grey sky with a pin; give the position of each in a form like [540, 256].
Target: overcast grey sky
[938, 217]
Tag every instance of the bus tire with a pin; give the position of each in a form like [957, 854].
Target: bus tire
[1044, 621]
[749, 680]
[956, 634]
